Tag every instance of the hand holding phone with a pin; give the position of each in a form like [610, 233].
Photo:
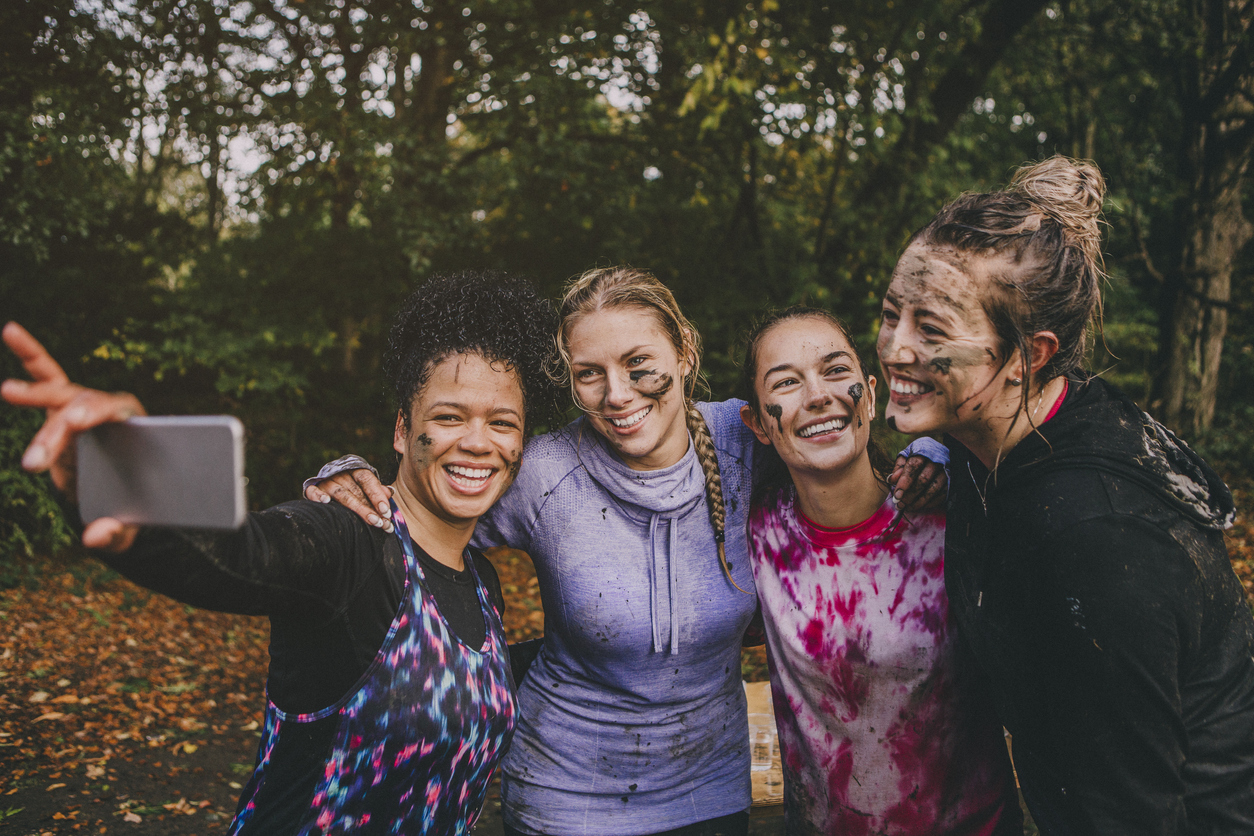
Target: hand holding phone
[71, 409]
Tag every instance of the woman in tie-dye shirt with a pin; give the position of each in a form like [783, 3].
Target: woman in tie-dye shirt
[879, 730]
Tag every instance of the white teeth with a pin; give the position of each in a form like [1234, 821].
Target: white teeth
[826, 426]
[631, 420]
[464, 473]
[907, 387]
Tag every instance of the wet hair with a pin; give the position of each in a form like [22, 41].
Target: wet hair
[770, 472]
[497, 316]
[622, 286]
[1044, 226]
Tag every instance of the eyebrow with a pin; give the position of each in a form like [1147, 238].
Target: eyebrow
[462, 407]
[783, 367]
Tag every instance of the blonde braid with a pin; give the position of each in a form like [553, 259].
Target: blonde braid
[703, 444]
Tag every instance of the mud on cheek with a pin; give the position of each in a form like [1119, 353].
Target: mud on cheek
[651, 384]
[777, 412]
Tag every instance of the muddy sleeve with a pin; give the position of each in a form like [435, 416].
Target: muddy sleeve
[1117, 614]
[297, 559]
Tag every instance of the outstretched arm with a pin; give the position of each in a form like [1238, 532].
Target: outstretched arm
[71, 409]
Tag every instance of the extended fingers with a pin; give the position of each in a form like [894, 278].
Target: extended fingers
[88, 408]
[35, 358]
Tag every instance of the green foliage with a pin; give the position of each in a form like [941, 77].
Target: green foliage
[218, 204]
[32, 520]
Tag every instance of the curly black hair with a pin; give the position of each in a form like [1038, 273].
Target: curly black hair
[495, 315]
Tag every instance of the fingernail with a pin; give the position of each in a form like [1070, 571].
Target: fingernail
[389, 528]
[375, 521]
[76, 415]
[35, 457]
[385, 510]
[324, 499]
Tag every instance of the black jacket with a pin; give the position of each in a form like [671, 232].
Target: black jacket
[1090, 579]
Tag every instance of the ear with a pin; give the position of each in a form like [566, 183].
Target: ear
[1044, 347]
[400, 436]
[688, 356]
[870, 395]
[750, 419]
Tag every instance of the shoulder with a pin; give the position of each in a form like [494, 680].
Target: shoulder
[730, 434]
[327, 521]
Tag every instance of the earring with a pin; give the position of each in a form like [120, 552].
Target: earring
[1016, 381]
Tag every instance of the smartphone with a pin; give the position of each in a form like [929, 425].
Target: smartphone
[174, 470]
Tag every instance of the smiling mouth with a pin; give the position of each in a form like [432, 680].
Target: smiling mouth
[899, 386]
[630, 420]
[469, 477]
[834, 425]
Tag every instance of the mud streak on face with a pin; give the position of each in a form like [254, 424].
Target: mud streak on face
[777, 412]
[658, 390]
[941, 365]
[856, 391]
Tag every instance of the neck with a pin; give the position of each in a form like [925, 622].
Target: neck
[842, 498]
[444, 540]
[993, 437]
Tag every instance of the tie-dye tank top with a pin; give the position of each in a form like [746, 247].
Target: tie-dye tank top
[412, 748]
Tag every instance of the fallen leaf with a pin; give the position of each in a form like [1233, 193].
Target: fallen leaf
[39, 696]
[67, 698]
[131, 817]
[51, 715]
[52, 787]
[94, 772]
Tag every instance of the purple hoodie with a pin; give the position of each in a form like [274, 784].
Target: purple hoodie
[632, 718]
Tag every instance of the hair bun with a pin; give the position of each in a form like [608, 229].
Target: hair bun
[1071, 193]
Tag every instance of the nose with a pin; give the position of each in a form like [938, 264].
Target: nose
[475, 438]
[817, 395]
[618, 391]
[893, 346]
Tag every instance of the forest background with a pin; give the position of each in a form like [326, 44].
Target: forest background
[218, 204]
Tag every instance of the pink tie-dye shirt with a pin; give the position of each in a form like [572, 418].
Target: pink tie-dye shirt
[876, 735]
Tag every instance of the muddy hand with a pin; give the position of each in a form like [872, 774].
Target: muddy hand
[361, 492]
[919, 484]
[70, 409]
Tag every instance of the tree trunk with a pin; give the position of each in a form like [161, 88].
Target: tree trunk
[1215, 159]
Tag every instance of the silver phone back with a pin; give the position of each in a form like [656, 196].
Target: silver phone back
[173, 470]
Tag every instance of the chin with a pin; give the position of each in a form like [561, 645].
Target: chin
[911, 423]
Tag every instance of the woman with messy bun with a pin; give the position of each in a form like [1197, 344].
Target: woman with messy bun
[1085, 562]
[389, 700]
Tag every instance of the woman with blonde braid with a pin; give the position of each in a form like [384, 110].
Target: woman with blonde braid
[632, 717]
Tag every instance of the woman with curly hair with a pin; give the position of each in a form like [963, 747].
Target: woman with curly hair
[389, 698]
[632, 719]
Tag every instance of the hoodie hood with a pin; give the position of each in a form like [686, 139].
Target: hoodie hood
[1099, 426]
[657, 499]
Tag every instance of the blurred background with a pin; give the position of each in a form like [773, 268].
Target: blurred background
[217, 204]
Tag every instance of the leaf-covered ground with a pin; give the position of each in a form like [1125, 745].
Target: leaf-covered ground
[122, 711]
